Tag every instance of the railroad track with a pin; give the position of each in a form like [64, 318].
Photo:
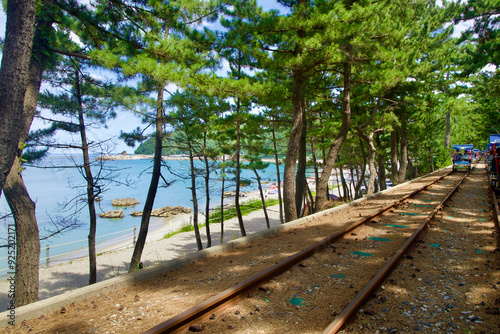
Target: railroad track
[384, 237]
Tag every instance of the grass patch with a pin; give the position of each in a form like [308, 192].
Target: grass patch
[245, 207]
[184, 228]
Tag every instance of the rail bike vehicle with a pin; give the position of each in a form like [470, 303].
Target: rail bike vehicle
[462, 156]
[476, 154]
[493, 161]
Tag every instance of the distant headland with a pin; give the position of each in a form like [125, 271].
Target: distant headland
[126, 156]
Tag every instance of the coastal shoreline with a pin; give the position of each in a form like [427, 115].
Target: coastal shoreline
[119, 157]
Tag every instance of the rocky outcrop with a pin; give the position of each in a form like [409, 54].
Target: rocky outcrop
[229, 193]
[124, 202]
[166, 211]
[112, 214]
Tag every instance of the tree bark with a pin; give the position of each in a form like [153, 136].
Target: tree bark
[262, 198]
[403, 156]
[16, 194]
[411, 169]
[309, 199]
[90, 183]
[322, 186]
[207, 191]
[195, 200]
[278, 175]
[16, 55]
[447, 135]
[293, 144]
[238, 170]
[153, 185]
[353, 185]
[344, 185]
[222, 199]
[360, 175]
[372, 151]
[312, 209]
[27, 238]
[300, 178]
[381, 164]
[394, 157]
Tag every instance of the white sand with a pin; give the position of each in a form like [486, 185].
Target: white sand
[67, 276]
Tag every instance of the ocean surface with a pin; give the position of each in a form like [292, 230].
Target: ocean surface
[59, 193]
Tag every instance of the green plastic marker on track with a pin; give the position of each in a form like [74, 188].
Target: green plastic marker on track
[392, 225]
[361, 253]
[338, 276]
[423, 205]
[482, 220]
[297, 301]
[434, 245]
[479, 251]
[411, 214]
[378, 239]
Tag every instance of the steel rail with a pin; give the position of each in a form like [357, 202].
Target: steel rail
[228, 296]
[367, 291]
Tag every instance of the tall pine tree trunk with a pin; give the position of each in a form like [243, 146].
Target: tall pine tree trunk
[90, 183]
[394, 156]
[262, 198]
[222, 199]
[238, 170]
[278, 177]
[300, 178]
[411, 169]
[360, 175]
[447, 135]
[312, 208]
[207, 190]
[293, 145]
[345, 186]
[153, 185]
[27, 238]
[16, 55]
[195, 200]
[381, 164]
[371, 160]
[27, 234]
[322, 186]
[403, 156]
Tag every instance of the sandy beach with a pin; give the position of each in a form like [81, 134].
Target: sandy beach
[114, 260]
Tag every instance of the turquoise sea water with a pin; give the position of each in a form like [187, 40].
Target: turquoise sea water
[51, 188]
